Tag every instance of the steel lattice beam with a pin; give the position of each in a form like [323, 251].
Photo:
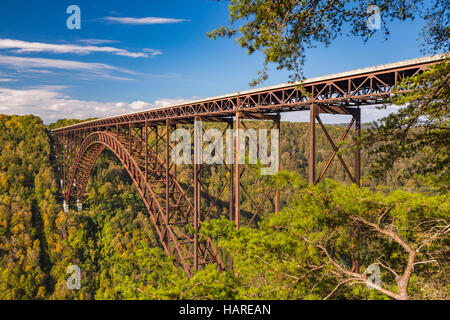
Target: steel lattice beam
[360, 87]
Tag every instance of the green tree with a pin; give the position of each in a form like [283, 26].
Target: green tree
[305, 251]
[419, 130]
[283, 30]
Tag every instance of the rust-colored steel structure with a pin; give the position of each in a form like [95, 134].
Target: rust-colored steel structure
[141, 141]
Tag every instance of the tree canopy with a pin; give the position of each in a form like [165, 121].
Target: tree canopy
[303, 252]
[283, 30]
[419, 130]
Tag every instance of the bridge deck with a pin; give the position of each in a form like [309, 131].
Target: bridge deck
[358, 87]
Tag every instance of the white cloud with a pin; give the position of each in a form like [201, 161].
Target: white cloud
[165, 102]
[51, 104]
[19, 46]
[87, 68]
[96, 41]
[138, 105]
[142, 21]
[152, 52]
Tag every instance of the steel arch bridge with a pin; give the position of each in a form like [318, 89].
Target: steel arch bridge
[141, 141]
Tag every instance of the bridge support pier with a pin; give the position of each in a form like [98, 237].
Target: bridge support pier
[197, 187]
[313, 112]
[357, 117]
[237, 173]
[277, 191]
[241, 169]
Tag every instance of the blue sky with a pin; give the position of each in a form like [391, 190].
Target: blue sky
[123, 61]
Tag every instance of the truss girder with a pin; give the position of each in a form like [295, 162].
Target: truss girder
[362, 89]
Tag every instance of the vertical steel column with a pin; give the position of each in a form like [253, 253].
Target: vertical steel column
[75, 143]
[358, 149]
[69, 159]
[197, 200]
[174, 127]
[167, 179]
[130, 127]
[277, 191]
[237, 189]
[231, 198]
[146, 151]
[58, 137]
[65, 160]
[56, 146]
[313, 111]
[156, 140]
[357, 117]
[156, 144]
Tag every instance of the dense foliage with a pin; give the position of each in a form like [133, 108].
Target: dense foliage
[305, 251]
[113, 243]
[26, 192]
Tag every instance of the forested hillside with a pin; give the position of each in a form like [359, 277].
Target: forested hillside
[289, 255]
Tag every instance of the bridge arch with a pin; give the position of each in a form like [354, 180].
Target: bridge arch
[173, 237]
